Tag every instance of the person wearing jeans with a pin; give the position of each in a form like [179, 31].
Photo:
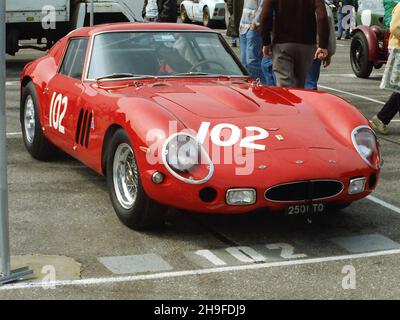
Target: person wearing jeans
[251, 41]
[315, 70]
[250, 52]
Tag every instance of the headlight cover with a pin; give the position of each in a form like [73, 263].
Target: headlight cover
[185, 158]
[367, 146]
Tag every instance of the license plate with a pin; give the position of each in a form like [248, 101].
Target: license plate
[305, 209]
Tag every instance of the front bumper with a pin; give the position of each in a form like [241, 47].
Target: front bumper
[211, 197]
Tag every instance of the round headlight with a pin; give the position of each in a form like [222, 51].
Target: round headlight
[366, 144]
[186, 159]
[182, 153]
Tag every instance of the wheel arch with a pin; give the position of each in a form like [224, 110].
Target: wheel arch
[106, 142]
[24, 82]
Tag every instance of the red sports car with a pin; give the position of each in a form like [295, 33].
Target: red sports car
[170, 116]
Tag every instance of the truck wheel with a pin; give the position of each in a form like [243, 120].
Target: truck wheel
[35, 142]
[360, 64]
[184, 15]
[131, 204]
[12, 43]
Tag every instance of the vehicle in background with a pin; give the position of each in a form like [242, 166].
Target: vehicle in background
[369, 45]
[210, 12]
[51, 20]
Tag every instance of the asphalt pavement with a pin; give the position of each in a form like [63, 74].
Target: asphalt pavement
[61, 217]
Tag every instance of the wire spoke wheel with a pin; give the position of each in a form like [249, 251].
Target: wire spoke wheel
[29, 120]
[125, 176]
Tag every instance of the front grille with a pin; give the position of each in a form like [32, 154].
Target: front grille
[304, 191]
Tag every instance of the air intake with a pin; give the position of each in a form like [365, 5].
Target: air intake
[304, 191]
[83, 128]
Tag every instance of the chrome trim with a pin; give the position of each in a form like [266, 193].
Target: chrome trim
[359, 153]
[169, 77]
[364, 179]
[174, 173]
[93, 36]
[306, 200]
[241, 189]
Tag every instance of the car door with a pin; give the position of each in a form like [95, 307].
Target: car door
[64, 92]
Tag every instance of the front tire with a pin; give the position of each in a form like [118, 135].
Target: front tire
[360, 64]
[35, 142]
[131, 204]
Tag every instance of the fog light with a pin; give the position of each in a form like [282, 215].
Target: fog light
[241, 197]
[157, 177]
[357, 185]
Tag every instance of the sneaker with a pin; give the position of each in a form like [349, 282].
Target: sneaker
[379, 126]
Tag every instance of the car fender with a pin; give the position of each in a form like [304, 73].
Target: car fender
[372, 41]
[148, 125]
[41, 71]
[339, 117]
[211, 7]
[188, 5]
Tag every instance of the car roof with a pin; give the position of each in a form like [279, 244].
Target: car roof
[135, 26]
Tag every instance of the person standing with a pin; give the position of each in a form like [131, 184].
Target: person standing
[235, 9]
[295, 26]
[166, 10]
[314, 73]
[381, 121]
[250, 39]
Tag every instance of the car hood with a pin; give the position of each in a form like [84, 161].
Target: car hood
[286, 114]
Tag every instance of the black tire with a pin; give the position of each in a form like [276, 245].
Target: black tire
[184, 15]
[143, 213]
[38, 146]
[360, 64]
[207, 22]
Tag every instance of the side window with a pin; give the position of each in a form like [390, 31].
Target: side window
[74, 59]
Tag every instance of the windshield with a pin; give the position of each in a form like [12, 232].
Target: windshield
[161, 54]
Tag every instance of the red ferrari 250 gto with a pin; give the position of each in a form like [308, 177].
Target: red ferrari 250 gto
[169, 115]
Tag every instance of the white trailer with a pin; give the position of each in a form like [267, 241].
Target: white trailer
[52, 19]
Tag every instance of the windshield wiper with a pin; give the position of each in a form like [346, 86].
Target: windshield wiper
[126, 75]
[191, 73]
[116, 76]
[212, 75]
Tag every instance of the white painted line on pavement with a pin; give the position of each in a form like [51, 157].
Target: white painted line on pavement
[12, 83]
[352, 94]
[178, 274]
[384, 204]
[13, 134]
[348, 75]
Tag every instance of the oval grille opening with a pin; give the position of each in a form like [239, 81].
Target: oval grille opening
[304, 191]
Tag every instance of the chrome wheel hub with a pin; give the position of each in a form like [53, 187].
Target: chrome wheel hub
[125, 176]
[29, 120]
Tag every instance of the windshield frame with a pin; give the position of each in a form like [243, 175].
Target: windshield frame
[221, 38]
